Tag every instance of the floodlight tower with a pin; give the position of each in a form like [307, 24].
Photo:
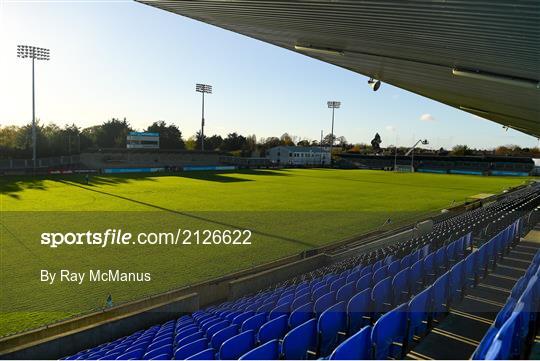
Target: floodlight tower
[411, 151]
[34, 53]
[333, 105]
[203, 88]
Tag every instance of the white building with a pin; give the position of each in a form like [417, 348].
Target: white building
[299, 156]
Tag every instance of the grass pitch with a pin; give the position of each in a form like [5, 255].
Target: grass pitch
[287, 210]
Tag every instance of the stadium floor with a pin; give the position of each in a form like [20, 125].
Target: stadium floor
[459, 333]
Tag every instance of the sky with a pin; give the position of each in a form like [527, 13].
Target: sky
[125, 59]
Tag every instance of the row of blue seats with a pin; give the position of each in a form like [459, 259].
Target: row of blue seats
[510, 336]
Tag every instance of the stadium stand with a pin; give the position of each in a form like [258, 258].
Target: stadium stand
[386, 303]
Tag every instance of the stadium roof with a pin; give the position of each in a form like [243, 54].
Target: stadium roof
[479, 56]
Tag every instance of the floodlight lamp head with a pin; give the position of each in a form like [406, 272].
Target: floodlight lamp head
[334, 104]
[374, 84]
[203, 88]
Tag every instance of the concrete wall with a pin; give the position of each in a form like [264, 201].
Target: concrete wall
[259, 281]
[103, 329]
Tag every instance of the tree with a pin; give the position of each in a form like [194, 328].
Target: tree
[213, 143]
[234, 141]
[191, 143]
[329, 139]
[303, 143]
[113, 133]
[170, 137]
[286, 140]
[461, 149]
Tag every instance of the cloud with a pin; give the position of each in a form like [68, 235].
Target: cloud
[426, 117]
[390, 128]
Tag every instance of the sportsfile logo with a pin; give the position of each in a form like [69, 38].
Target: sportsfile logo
[118, 237]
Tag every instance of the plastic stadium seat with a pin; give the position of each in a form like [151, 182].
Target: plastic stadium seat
[501, 347]
[207, 354]
[301, 315]
[470, 276]
[345, 292]
[364, 282]
[406, 261]
[419, 312]
[353, 276]
[416, 276]
[212, 330]
[163, 350]
[273, 329]
[266, 307]
[131, 355]
[390, 328]
[254, 322]
[440, 296]
[336, 285]
[191, 349]
[162, 356]
[456, 281]
[301, 339]
[286, 299]
[400, 286]
[441, 264]
[238, 320]
[266, 351]
[184, 332]
[300, 300]
[429, 268]
[356, 347]
[359, 310]
[323, 302]
[223, 335]
[365, 270]
[380, 274]
[237, 345]
[394, 268]
[483, 347]
[330, 324]
[188, 339]
[376, 266]
[279, 311]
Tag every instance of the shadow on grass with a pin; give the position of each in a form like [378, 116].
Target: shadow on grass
[190, 215]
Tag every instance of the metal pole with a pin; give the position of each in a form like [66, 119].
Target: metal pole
[202, 124]
[395, 157]
[33, 120]
[332, 139]
[412, 160]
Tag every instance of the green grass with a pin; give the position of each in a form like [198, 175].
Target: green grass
[288, 211]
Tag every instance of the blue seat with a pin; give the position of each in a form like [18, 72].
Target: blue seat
[184, 332]
[440, 296]
[316, 294]
[207, 354]
[190, 338]
[237, 345]
[300, 300]
[470, 276]
[359, 310]
[380, 274]
[212, 330]
[273, 329]
[377, 265]
[323, 302]
[419, 313]
[266, 307]
[217, 340]
[345, 292]
[238, 320]
[301, 339]
[441, 264]
[429, 268]
[485, 343]
[254, 322]
[390, 328]
[191, 349]
[353, 276]
[336, 285]
[502, 346]
[400, 286]
[166, 350]
[365, 270]
[286, 299]
[394, 268]
[301, 315]
[364, 282]
[266, 351]
[279, 311]
[451, 256]
[330, 324]
[416, 276]
[356, 347]
[406, 262]
[456, 281]
[136, 354]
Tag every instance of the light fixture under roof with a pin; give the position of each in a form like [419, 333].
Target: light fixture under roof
[313, 49]
[497, 78]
